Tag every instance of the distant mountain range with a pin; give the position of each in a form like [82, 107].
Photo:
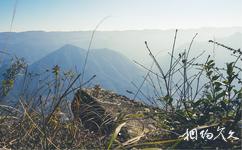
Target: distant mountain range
[219, 54]
[113, 67]
[33, 45]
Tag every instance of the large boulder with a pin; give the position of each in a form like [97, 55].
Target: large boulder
[91, 114]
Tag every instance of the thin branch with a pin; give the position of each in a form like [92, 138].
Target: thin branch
[171, 62]
[89, 46]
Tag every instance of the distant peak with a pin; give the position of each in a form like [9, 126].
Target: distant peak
[70, 46]
[67, 48]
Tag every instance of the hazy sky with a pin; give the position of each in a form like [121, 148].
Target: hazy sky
[56, 15]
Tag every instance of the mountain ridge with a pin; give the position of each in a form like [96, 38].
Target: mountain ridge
[112, 70]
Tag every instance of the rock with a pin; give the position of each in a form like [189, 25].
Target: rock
[92, 115]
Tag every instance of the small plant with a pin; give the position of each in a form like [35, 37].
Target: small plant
[206, 96]
[17, 66]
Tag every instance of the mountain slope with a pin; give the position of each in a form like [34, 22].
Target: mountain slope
[113, 70]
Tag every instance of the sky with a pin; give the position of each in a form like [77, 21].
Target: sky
[74, 15]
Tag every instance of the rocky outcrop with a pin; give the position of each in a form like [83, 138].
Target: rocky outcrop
[102, 111]
[91, 114]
